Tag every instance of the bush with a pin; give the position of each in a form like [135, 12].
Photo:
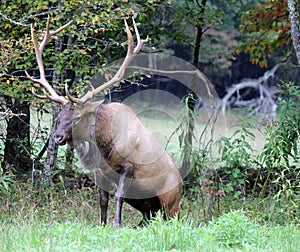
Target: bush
[237, 155]
[276, 170]
[233, 229]
[281, 156]
[6, 181]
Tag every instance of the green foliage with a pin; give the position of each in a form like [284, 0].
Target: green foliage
[281, 147]
[280, 154]
[234, 229]
[237, 154]
[6, 181]
[275, 171]
[61, 219]
[277, 166]
[267, 27]
[236, 150]
[95, 38]
[191, 14]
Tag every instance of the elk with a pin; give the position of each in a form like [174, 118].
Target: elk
[111, 141]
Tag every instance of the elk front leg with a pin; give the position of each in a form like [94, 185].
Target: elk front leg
[104, 197]
[124, 183]
[104, 184]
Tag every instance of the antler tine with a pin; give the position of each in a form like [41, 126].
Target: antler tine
[52, 95]
[131, 53]
[140, 42]
[43, 97]
[129, 37]
[71, 98]
[46, 37]
[49, 33]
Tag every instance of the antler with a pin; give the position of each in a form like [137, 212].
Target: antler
[50, 92]
[131, 53]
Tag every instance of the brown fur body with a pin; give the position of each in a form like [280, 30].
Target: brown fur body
[112, 142]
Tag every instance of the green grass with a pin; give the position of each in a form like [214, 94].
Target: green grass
[68, 220]
[174, 235]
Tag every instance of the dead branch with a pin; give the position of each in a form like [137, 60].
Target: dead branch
[264, 103]
[8, 113]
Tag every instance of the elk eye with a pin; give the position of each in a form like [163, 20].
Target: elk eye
[76, 120]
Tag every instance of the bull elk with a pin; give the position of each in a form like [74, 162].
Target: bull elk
[112, 142]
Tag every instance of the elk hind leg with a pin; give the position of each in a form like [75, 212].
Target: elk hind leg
[124, 183]
[170, 203]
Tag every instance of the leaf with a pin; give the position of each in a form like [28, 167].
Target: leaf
[237, 194]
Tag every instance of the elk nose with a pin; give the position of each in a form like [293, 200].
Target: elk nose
[58, 138]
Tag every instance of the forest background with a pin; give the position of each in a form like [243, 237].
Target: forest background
[248, 49]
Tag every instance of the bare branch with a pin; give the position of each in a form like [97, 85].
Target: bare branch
[8, 113]
[13, 21]
[197, 73]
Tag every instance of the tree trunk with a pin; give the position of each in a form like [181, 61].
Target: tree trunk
[295, 32]
[49, 165]
[191, 101]
[17, 144]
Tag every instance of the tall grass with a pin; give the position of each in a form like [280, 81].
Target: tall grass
[173, 235]
[68, 220]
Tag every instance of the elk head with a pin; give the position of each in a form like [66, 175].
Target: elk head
[65, 120]
[77, 109]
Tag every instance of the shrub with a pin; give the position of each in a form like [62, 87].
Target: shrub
[236, 153]
[6, 180]
[280, 155]
[233, 229]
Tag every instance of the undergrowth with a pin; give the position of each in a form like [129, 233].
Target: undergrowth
[232, 231]
[61, 219]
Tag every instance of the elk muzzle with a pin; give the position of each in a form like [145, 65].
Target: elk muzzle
[59, 138]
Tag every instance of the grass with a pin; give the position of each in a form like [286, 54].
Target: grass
[174, 235]
[68, 220]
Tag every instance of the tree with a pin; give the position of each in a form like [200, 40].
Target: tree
[268, 30]
[277, 24]
[191, 98]
[295, 31]
[75, 56]
[193, 17]
[17, 141]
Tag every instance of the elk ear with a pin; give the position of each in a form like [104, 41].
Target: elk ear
[92, 106]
